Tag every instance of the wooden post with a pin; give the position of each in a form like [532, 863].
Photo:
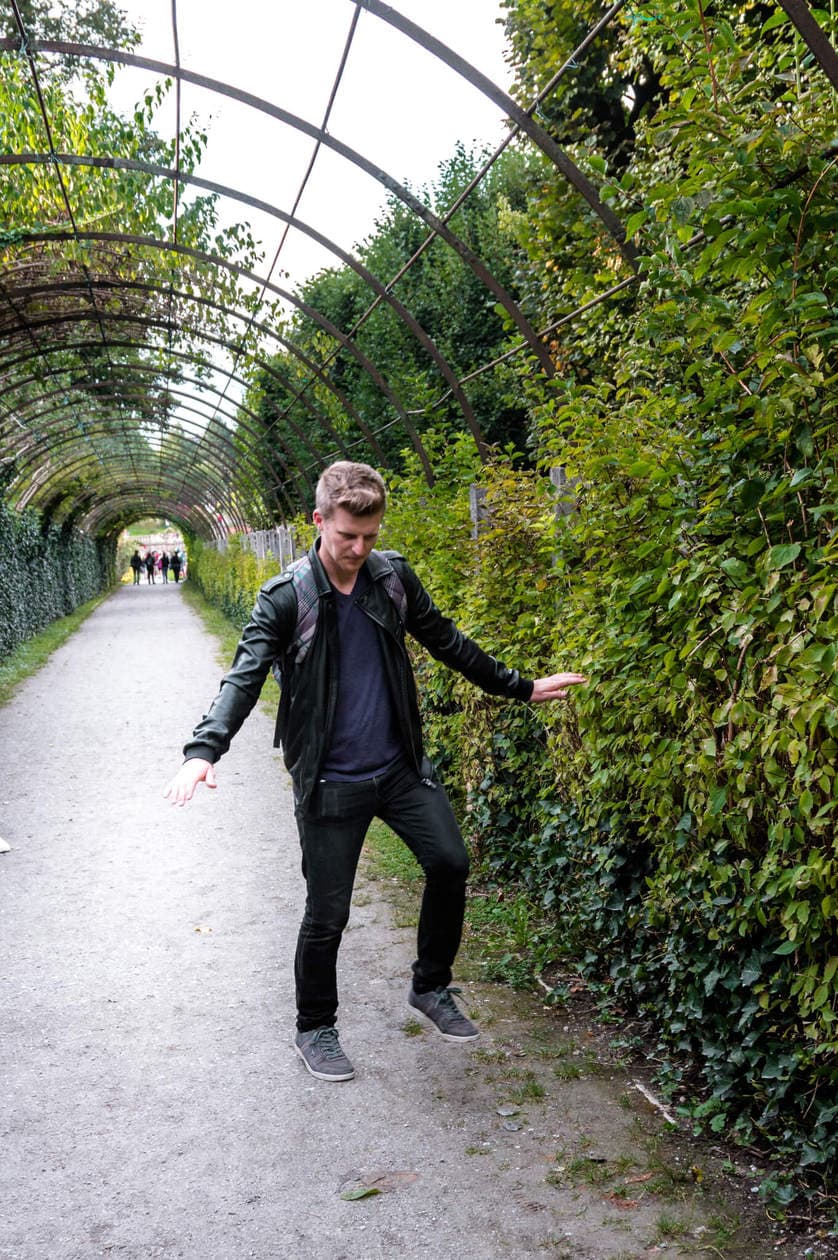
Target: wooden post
[564, 487]
[478, 510]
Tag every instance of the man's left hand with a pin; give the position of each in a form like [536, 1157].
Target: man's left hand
[555, 687]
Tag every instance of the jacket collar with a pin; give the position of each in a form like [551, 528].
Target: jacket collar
[377, 567]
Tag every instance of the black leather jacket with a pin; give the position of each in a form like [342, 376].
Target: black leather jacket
[309, 691]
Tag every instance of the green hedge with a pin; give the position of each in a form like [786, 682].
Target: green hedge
[698, 883]
[677, 817]
[47, 572]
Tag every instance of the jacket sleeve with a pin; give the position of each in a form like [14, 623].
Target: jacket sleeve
[446, 643]
[269, 630]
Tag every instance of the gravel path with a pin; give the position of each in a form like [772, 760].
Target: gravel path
[152, 1104]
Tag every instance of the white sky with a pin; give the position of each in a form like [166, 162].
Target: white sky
[397, 104]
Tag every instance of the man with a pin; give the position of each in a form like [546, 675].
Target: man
[349, 726]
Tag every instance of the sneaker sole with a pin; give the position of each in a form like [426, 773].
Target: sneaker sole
[325, 1076]
[414, 1010]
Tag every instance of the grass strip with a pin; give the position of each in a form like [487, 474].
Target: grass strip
[32, 655]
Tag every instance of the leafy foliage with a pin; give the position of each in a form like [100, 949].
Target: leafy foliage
[306, 419]
[47, 572]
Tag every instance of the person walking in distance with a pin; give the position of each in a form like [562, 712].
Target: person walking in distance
[136, 565]
[149, 567]
[175, 563]
[334, 623]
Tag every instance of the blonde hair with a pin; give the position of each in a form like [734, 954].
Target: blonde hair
[357, 488]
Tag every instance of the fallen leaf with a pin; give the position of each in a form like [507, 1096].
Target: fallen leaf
[508, 1110]
[636, 1181]
[362, 1185]
[625, 1205]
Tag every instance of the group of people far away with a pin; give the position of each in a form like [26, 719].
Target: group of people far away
[157, 562]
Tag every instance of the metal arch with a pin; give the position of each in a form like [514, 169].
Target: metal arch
[36, 440]
[108, 523]
[179, 354]
[224, 190]
[146, 322]
[288, 345]
[201, 300]
[58, 441]
[251, 459]
[133, 508]
[249, 447]
[519, 116]
[441, 229]
[213, 451]
[212, 260]
[814, 36]
[65, 474]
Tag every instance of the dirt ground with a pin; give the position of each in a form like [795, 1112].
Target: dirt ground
[152, 1104]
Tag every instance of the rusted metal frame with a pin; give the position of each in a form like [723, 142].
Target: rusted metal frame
[288, 345]
[513, 110]
[324, 124]
[220, 454]
[70, 470]
[150, 242]
[22, 409]
[28, 52]
[348, 259]
[250, 450]
[147, 322]
[128, 489]
[179, 354]
[200, 482]
[68, 286]
[514, 130]
[96, 53]
[570, 318]
[104, 521]
[92, 507]
[814, 36]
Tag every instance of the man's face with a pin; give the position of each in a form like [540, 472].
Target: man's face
[346, 541]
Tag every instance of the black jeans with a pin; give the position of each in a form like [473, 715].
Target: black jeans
[332, 834]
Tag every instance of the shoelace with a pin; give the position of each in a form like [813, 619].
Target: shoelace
[446, 999]
[327, 1040]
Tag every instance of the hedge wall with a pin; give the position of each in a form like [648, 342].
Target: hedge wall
[47, 572]
[698, 883]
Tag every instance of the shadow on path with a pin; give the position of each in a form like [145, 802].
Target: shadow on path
[152, 1105]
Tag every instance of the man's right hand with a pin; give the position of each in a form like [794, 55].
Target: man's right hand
[191, 773]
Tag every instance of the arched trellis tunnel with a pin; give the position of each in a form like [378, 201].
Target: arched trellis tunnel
[118, 348]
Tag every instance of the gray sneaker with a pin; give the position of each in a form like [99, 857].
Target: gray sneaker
[443, 1014]
[321, 1052]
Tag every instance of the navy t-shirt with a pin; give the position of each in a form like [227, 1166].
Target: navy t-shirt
[365, 740]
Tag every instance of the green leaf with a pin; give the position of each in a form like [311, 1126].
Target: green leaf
[735, 569]
[779, 556]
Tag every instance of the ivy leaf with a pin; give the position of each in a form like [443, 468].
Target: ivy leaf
[735, 569]
[780, 556]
